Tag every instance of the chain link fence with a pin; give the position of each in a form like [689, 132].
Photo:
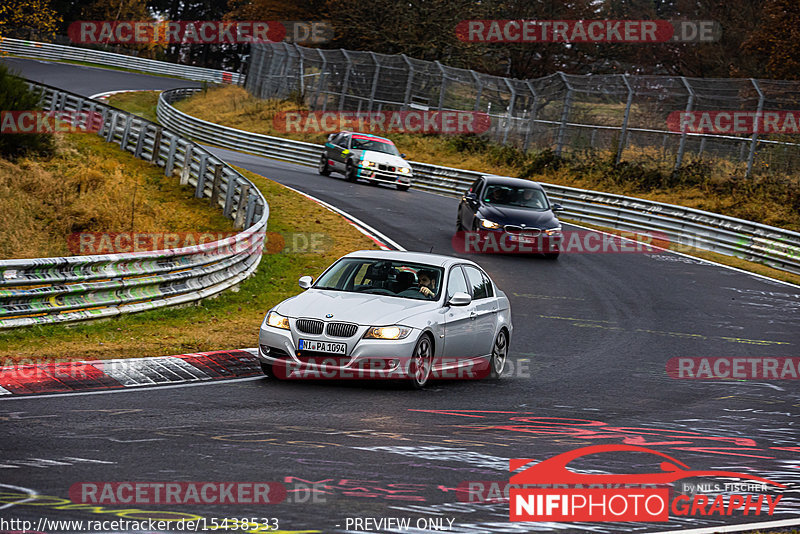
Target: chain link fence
[625, 115]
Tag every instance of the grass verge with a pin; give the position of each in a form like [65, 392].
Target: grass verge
[91, 186]
[230, 321]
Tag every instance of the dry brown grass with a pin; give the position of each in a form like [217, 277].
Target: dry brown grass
[91, 186]
[230, 321]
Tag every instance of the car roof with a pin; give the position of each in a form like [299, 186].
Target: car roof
[367, 135]
[508, 180]
[438, 260]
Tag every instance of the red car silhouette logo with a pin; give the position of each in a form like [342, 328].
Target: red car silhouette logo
[554, 470]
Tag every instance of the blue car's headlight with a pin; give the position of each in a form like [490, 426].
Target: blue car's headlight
[387, 332]
[491, 225]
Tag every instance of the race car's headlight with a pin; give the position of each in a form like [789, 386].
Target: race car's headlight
[387, 332]
[277, 320]
[368, 163]
[404, 170]
[553, 231]
[486, 223]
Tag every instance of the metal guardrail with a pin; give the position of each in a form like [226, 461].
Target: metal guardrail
[684, 227]
[40, 50]
[56, 290]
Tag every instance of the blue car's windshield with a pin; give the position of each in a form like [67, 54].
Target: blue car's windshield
[383, 277]
[520, 197]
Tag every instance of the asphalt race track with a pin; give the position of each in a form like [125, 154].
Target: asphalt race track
[593, 334]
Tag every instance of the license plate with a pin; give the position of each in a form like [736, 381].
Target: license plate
[522, 238]
[322, 346]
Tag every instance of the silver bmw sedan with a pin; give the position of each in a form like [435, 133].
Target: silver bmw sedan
[390, 315]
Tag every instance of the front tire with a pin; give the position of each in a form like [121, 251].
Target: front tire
[499, 355]
[403, 187]
[350, 172]
[421, 362]
[323, 167]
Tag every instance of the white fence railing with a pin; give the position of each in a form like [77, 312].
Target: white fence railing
[684, 227]
[40, 50]
[55, 290]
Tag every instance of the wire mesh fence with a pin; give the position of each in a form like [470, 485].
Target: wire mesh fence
[625, 115]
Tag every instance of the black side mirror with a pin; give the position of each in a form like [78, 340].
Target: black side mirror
[403, 156]
[557, 208]
[471, 197]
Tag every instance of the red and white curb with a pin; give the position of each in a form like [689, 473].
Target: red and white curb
[103, 97]
[66, 377]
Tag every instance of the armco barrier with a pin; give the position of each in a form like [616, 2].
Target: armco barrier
[686, 227]
[55, 290]
[56, 52]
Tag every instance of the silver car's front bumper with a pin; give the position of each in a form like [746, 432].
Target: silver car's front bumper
[364, 358]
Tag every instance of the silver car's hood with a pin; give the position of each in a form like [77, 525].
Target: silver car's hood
[356, 308]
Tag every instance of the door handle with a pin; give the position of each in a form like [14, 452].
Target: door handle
[473, 314]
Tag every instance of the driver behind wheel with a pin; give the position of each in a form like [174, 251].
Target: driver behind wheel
[427, 283]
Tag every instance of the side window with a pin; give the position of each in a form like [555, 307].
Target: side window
[345, 141]
[337, 140]
[481, 287]
[456, 282]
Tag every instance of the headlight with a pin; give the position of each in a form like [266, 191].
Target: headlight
[553, 231]
[277, 320]
[486, 223]
[368, 163]
[404, 170]
[387, 332]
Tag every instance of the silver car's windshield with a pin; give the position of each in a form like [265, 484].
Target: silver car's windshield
[520, 197]
[376, 145]
[383, 277]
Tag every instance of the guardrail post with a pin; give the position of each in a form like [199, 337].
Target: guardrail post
[173, 146]
[241, 208]
[754, 139]
[229, 192]
[624, 132]
[137, 152]
[186, 169]
[532, 120]
[199, 189]
[156, 146]
[689, 107]
[215, 185]
[409, 81]
[124, 143]
[510, 110]
[112, 127]
[374, 81]
[564, 115]
[251, 209]
[346, 79]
